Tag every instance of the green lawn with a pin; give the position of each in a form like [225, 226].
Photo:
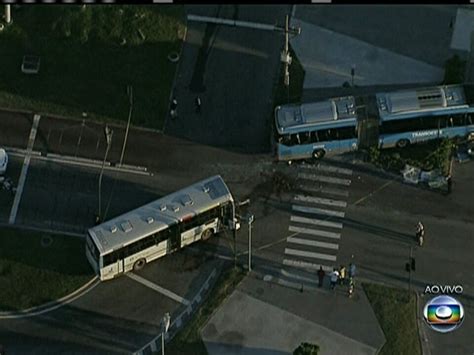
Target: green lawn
[31, 274]
[188, 340]
[395, 310]
[84, 67]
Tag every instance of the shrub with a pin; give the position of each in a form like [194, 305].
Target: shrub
[306, 349]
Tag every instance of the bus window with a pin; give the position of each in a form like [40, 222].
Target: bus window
[314, 137]
[458, 120]
[469, 119]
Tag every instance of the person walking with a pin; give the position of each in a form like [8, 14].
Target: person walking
[342, 275]
[174, 108]
[449, 183]
[321, 275]
[352, 271]
[197, 102]
[334, 278]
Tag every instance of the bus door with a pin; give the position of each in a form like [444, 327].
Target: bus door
[368, 132]
[174, 237]
[120, 264]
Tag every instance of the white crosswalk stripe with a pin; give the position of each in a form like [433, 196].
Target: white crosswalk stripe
[316, 222]
[315, 210]
[316, 232]
[310, 254]
[321, 201]
[312, 243]
[324, 190]
[305, 265]
[328, 168]
[324, 178]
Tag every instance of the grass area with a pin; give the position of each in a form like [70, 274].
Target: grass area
[395, 310]
[188, 340]
[31, 274]
[454, 70]
[293, 94]
[427, 156]
[85, 67]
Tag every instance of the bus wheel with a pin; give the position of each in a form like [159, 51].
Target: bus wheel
[139, 264]
[402, 143]
[318, 154]
[206, 234]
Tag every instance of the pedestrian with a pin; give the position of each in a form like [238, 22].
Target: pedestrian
[174, 108]
[342, 274]
[334, 278]
[449, 183]
[197, 102]
[352, 271]
[321, 275]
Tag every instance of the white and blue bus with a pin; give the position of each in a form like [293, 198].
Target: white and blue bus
[412, 116]
[393, 119]
[314, 129]
[131, 240]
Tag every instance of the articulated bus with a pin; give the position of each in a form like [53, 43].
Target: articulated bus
[383, 120]
[131, 240]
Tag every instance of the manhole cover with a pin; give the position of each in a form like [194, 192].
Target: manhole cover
[46, 241]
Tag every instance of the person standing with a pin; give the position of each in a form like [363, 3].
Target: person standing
[197, 103]
[334, 278]
[449, 183]
[342, 274]
[321, 275]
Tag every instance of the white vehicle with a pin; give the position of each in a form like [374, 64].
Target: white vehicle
[133, 239]
[3, 161]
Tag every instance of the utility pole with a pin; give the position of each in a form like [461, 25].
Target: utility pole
[285, 56]
[130, 99]
[353, 68]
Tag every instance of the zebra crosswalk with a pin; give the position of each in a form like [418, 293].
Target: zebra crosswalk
[316, 223]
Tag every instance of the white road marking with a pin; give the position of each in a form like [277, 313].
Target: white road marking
[324, 178]
[325, 190]
[315, 210]
[159, 289]
[321, 201]
[305, 265]
[309, 254]
[312, 243]
[328, 168]
[316, 222]
[319, 233]
[24, 170]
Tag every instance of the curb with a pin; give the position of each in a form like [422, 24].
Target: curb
[182, 318]
[42, 230]
[125, 168]
[51, 306]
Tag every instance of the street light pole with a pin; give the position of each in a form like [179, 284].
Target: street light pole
[130, 99]
[250, 219]
[108, 136]
[165, 324]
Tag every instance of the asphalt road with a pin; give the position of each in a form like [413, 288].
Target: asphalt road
[233, 70]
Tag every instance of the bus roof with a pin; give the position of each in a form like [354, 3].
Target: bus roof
[394, 104]
[299, 117]
[159, 214]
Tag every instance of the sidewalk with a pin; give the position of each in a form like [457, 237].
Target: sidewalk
[264, 318]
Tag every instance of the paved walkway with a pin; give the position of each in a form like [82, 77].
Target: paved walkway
[264, 318]
[328, 57]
